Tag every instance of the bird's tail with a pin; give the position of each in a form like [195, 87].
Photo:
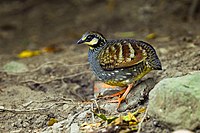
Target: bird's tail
[152, 57]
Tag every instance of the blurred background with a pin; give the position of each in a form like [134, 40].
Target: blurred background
[40, 65]
[29, 24]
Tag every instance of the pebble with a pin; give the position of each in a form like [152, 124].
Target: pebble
[182, 131]
[74, 128]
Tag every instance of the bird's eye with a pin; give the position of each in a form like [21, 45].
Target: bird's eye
[89, 38]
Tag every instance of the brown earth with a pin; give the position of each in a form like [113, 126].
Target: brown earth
[56, 84]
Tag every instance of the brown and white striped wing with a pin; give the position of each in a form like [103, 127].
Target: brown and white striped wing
[121, 55]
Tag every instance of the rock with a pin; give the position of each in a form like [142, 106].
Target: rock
[163, 50]
[16, 131]
[176, 102]
[135, 97]
[74, 128]
[2, 107]
[57, 128]
[83, 115]
[182, 131]
[15, 67]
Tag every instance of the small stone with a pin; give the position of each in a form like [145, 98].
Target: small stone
[182, 131]
[25, 124]
[16, 131]
[2, 107]
[56, 128]
[163, 51]
[83, 115]
[47, 69]
[74, 128]
[65, 107]
[178, 74]
[15, 67]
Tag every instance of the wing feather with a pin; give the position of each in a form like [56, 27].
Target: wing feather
[121, 54]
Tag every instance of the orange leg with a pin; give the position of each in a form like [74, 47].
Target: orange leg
[123, 97]
[103, 85]
[116, 94]
[124, 91]
[106, 86]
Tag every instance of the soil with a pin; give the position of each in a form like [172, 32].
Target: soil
[60, 84]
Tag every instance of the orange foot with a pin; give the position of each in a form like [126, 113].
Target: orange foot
[123, 91]
[123, 97]
[100, 87]
[116, 94]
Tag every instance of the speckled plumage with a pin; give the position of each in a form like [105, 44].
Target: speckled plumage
[120, 62]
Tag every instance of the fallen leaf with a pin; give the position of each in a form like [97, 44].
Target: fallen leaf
[31, 53]
[52, 121]
[50, 49]
[111, 4]
[125, 34]
[86, 126]
[151, 36]
[130, 117]
[103, 117]
[28, 53]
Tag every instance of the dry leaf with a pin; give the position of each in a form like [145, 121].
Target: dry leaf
[151, 36]
[28, 53]
[52, 121]
[125, 34]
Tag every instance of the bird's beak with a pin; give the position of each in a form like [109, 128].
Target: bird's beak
[80, 41]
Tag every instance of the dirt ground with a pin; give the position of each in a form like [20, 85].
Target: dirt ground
[59, 85]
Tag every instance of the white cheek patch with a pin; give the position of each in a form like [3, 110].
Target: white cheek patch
[93, 41]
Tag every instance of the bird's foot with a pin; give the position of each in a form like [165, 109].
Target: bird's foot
[121, 94]
[123, 97]
[118, 101]
[105, 91]
[116, 94]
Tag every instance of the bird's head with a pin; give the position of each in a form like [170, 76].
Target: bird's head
[92, 39]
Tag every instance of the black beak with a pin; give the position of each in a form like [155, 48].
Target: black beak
[80, 41]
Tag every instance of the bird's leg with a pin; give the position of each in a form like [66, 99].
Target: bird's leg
[100, 85]
[116, 94]
[123, 97]
[124, 91]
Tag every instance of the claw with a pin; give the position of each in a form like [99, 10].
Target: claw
[124, 91]
[116, 94]
[123, 97]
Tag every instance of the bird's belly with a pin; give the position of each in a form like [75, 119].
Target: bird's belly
[123, 77]
[119, 77]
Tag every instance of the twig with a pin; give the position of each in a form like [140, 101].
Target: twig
[72, 119]
[92, 106]
[59, 78]
[35, 111]
[68, 99]
[32, 111]
[39, 67]
[77, 74]
[95, 101]
[142, 120]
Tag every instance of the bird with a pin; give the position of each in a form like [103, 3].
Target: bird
[119, 62]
